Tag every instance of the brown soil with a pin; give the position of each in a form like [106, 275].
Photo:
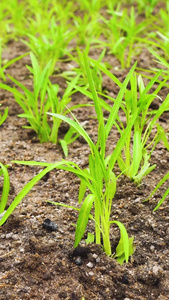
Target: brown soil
[36, 263]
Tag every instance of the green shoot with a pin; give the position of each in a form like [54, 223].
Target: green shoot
[43, 99]
[99, 178]
[22, 193]
[135, 156]
[6, 65]
[6, 187]
[4, 116]
[164, 179]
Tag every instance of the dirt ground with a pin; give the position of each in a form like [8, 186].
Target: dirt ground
[36, 263]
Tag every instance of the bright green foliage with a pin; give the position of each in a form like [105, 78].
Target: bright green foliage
[136, 162]
[4, 116]
[90, 238]
[6, 65]
[80, 70]
[121, 32]
[21, 194]
[164, 179]
[134, 158]
[100, 169]
[6, 187]
[49, 28]
[52, 45]
[99, 178]
[43, 99]
[146, 6]
[86, 29]
[125, 245]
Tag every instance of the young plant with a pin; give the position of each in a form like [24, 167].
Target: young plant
[4, 214]
[136, 163]
[164, 179]
[121, 32]
[43, 99]
[134, 158]
[52, 45]
[80, 70]
[5, 190]
[4, 116]
[9, 63]
[98, 180]
[146, 6]
[86, 29]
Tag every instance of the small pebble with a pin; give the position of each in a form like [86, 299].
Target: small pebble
[98, 259]
[89, 265]
[152, 248]
[15, 237]
[9, 235]
[157, 269]
[22, 250]
[78, 261]
[49, 225]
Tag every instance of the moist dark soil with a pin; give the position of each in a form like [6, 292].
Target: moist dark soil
[37, 258]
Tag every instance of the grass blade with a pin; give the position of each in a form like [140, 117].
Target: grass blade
[116, 106]
[6, 187]
[77, 127]
[83, 218]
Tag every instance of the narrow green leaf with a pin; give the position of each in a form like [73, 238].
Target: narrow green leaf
[125, 240]
[121, 258]
[137, 153]
[14, 60]
[82, 191]
[6, 187]
[162, 200]
[90, 238]
[64, 147]
[116, 106]
[62, 204]
[111, 185]
[3, 118]
[121, 163]
[78, 128]
[100, 66]
[83, 218]
[121, 141]
[166, 177]
[26, 190]
[93, 90]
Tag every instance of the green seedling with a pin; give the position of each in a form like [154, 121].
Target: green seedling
[86, 29]
[121, 32]
[9, 63]
[136, 164]
[52, 45]
[162, 181]
[4, 215]
[91, 7]
[162, 61]
[11, 18]
[98, 180]
[164, 17]
[4, 116]
[43, 99]
[5, 190]
[80, 70]
[135, 156]
[90, 238]
[146, 6]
